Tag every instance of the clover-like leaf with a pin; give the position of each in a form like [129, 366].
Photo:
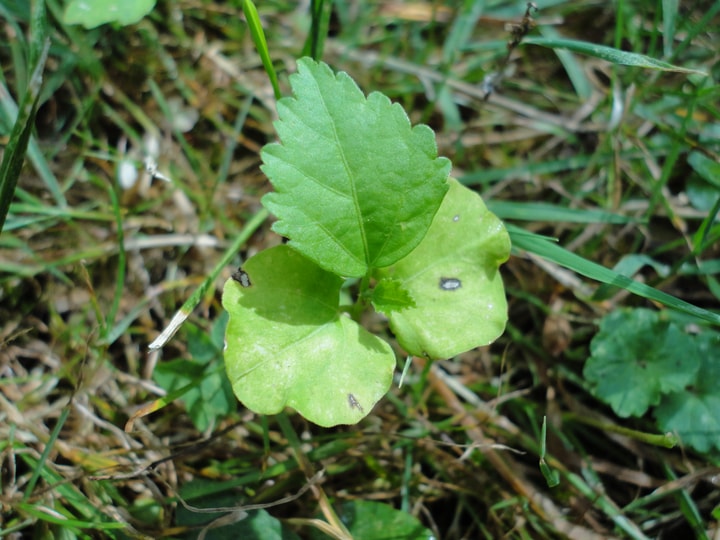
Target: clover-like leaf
[694, 412]
[454, 280]
[636, 357]
[356, 186]
[287, 344]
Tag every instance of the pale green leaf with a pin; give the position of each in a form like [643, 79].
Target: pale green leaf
[287, 344]
[356, 185]
[92, 13]
[454, 280]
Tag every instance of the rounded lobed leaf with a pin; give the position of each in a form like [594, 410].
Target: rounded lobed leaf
[694, 412]
[356, 186]
[637, 356]
[453, 279]
[288, 345]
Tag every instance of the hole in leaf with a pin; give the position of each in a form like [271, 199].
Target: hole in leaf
[450, 284]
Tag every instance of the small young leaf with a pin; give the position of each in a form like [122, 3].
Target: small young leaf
[635, 357]
[389, 295]
[288, 344]
[454, 280]
[356, 186]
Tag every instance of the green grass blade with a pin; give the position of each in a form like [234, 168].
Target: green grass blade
[532, 211]
[14, 155]
[606, 505]
[552, 477]
[46, 452]
[670, 13]
[258, 37]
[190, 304]
[546, 248]
[121, 263]
[462, 30]
[688, 507]
[38, 31]
[609, 54]
[573, 68]
[320, 11]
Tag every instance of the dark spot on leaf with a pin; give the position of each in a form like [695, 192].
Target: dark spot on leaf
[241, 276]
[354, 404]
[450, 284]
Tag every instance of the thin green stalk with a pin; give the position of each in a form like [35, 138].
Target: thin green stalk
[14, 155]
[46, 451]
[121, 263]
[688, 507]
[258, 37]
[665, 440]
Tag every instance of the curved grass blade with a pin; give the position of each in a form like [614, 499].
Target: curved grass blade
[320, 11]
[609, 54]
[190, 304]
[258, 37]
[546, 248]
[14, 155]
[537, 211]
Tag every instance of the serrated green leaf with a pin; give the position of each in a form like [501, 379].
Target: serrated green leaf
[454, 279]
[356, 185]
[636, 357]
[289, 345]
[92, 13]
[694, 413]
[390, 295]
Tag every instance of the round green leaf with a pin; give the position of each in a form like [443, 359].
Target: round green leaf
[453, 279]
[694, 413]
[287, 344]
[637, 356]
[92, 13]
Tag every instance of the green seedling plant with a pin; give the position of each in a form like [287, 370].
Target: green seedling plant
[361, 195]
